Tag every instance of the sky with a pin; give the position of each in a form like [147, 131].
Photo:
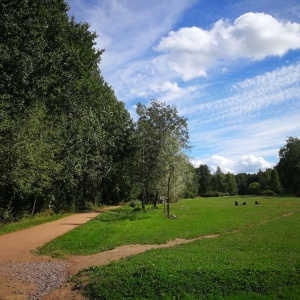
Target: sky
[231, 67]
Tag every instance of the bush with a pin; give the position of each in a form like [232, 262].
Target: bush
[266, 193]
[89, 206]
[214, 194]
[46, 213]
[134, 203]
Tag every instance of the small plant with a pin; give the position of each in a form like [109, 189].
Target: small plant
[134, 203]
[89, 205]
[47, 212]
[267, 193]
[214, 194]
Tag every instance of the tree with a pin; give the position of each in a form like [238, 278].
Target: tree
[289, 165]
[160, 134]
[192, 182]
[231, 184]
[64, 135]
[204, 176]
[264, 178]
[275, 183]
[218, 181]
[242, 183]
[254, 188]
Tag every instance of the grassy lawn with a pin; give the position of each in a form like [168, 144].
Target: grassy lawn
[260, 261]
[29, 222]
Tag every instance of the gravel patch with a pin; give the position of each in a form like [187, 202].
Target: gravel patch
[46, 275]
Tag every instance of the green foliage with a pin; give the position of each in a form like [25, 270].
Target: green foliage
[254, 188]
[160, 166]
[289, 165]
[214, 194]
[64, 137]
[204, 177]
[134, 203]
[260, 261]
[275, 184]
[266, 193]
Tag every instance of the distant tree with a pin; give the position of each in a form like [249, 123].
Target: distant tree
[204, 177]
[231, 184]
[254, 188]
[218, 181]
[242, 183]
[289, 165]
[192, 182]
[275, 184]
[264, 178]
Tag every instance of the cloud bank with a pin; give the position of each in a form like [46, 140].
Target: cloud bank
[192, 51]
[245, 164]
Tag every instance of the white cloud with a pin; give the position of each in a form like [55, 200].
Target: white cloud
[244, 164]
[192, 51]
[253, 95]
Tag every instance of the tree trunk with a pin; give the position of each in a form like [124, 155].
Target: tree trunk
[155, 200]
[168, 196]
[143, 197]
[34, 203]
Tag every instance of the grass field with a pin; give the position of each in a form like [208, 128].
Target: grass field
[256, 256]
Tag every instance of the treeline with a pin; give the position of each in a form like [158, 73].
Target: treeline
[65, 139]
[283, 178]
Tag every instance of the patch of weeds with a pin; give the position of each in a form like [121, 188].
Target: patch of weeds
[59, 254]
[121, 215]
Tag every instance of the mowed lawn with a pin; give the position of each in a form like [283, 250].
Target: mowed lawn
[256, 256]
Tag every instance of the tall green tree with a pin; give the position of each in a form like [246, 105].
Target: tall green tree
[218, 181]
[242, 183]
[160, 133]
[289, 165]
[254, 188]
[61, 123]
[231, 184]
[275, 183]
[264, 178]
[204, 177]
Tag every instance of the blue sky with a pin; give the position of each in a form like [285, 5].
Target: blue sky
[232, 67]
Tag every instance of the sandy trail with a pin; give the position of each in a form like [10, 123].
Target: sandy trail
[82, 262]
[17, 248]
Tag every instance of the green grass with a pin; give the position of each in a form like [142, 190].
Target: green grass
[260, 261]
[196, 217]
[29, 222]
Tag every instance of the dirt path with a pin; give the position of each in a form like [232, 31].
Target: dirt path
[18, 264]
[82, 262]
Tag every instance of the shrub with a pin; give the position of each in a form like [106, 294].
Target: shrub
[214, 194]
[266, 193]
[47, 212]
[89, 205]
[134, 203]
